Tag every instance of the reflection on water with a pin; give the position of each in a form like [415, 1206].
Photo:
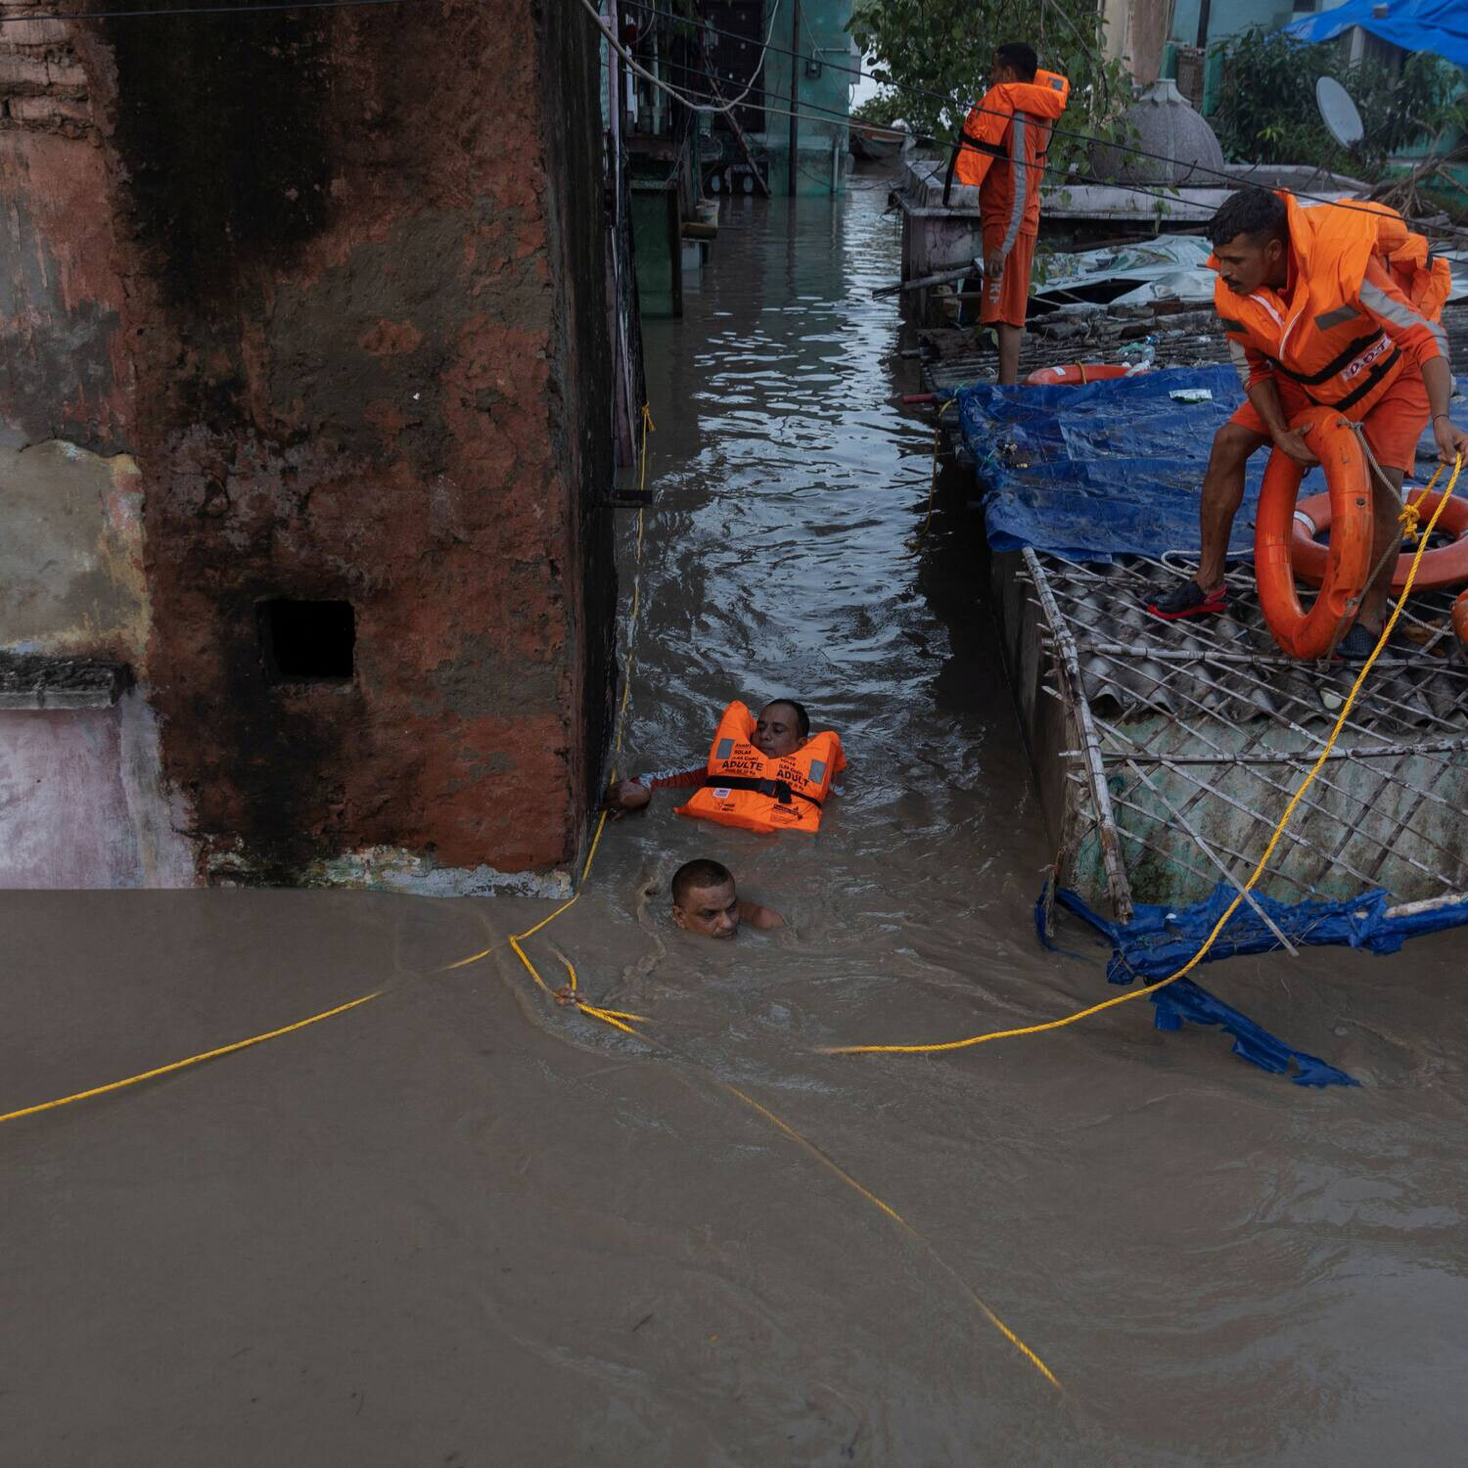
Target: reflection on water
[463, 1226]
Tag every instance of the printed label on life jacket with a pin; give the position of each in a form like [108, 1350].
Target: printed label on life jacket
[1383, 345]
[752, 763]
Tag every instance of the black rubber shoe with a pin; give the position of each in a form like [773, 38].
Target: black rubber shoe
[1189, 600]
[1357, 645]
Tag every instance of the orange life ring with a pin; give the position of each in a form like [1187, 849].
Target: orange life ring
[1443, 565]
[1460, 615]
[1312, 634]
[1071, 374]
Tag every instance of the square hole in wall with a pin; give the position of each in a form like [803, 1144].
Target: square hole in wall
[307, 641]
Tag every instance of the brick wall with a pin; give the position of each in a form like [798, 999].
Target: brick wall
[333, 282]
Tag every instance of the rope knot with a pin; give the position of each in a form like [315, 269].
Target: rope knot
[1411, 518]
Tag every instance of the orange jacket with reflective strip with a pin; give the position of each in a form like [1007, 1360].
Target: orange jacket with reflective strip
[744, 788]
[1361, 300]
[1002, 150]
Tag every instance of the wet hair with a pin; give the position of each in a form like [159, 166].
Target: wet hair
[802, 719]
[1019, 55]
[699, 873]
[1256, 213]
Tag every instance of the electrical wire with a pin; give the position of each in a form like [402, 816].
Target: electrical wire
[11, 19]
[673, 92]
[1230, 180]
[814, 112]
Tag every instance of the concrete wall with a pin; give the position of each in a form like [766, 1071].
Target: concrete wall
[1227, 18]
[312, 305]
[1137, 30]
[823, 34]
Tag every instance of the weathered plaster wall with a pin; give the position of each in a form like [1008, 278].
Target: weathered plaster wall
[71, 555]
[334, 282]
[81, 804]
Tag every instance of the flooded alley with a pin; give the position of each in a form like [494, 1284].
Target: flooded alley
[462, 1225]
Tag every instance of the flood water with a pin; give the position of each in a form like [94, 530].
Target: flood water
[462, 1226]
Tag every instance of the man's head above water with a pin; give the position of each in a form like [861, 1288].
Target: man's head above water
[1250, 238]
[705, 900]
[780, 727]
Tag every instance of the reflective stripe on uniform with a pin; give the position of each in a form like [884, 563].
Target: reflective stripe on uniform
[1240, 360]
[1387, 308]
[1019, 180]
[1338, 317]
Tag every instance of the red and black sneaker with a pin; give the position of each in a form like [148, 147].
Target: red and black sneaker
[1189, 600]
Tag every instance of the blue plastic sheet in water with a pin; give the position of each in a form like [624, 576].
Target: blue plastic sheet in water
[1107, 469]
[1159, 940]
[1112, 468]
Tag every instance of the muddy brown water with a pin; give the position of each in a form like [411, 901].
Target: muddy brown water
[459, 1226]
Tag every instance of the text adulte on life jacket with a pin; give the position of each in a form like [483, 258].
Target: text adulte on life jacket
[757, 792]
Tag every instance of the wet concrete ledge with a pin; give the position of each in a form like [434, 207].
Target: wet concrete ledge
[40, 681]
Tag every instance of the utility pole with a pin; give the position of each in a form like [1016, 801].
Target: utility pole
[794, 91]
[1203, 17]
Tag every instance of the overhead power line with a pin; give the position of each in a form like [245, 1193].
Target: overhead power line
[196, 10]
[1228, 180]
[673, 92]
[813, 112]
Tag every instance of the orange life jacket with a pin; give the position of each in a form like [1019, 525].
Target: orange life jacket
[1317, 334]
[1010, 127]
[743, 788]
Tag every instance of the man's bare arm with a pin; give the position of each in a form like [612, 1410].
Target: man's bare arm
[1264, 395]
[762, 918]
[1438, 379]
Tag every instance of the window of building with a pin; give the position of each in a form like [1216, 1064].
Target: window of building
[307, 641]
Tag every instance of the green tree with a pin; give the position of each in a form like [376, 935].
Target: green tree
[1266, 109]
[935, 54]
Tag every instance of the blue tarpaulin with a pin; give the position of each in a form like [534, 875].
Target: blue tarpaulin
[1111, 468]
[1440, 26]
[1115, 468]
[1105, 469]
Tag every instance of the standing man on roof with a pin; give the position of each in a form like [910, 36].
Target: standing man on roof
[1002, 151]
[1334, 305]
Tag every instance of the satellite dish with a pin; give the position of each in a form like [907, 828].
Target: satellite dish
[1338, 113]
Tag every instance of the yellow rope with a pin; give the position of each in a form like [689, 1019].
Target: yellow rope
[164, 1070]
[1284, 820]
[829, 1163]
[608, 1016]
[1412, 509]
[648, 426]
[618, 1018]
[569, 993]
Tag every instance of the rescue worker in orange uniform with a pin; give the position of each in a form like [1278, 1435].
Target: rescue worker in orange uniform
[764, 772]
[1002, 151]
[1330, 305]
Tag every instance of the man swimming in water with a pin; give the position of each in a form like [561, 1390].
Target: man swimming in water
[705, 901]
[781, 729]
